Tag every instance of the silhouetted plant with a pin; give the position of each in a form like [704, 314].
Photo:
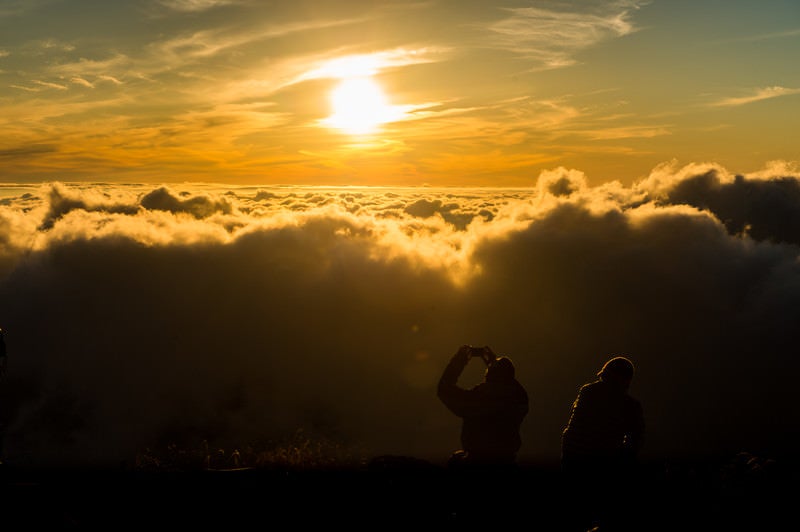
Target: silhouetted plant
[303, 451]
[299, 451]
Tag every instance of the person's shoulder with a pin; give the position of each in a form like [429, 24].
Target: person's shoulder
[591, 387]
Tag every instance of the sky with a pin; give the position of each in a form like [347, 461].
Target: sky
[440, 93]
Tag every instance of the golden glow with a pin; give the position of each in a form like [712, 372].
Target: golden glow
[352, 66]
[360, 107]
[342, 93]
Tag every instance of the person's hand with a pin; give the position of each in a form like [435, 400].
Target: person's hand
[488, 355]
[464, 352]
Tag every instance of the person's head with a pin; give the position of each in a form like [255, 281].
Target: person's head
[618, 370]
[501, 370]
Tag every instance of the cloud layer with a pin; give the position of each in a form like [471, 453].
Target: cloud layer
[136, 315]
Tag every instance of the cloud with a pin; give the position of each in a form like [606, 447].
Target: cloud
[765, 93]
[552, 37]
[137, 315]
[81, 81]
[627, 132]
[561, 182]
[54, 44]
[23, 88]
[365, 65]
[195, 5]
[762, 37]
[62, 201]
[199, 206]
[112, 79]
[204, 44]
[451, 212]
[12, 8]
[92, 67]
[23, 152]
[49, 85]
[767, 208]
[200, 44]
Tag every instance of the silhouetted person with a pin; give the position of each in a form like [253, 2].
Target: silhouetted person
[3, 357]
[3, 369]
[492, 411]
[602, 439]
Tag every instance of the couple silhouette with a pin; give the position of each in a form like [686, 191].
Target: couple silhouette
[599, 445]
[605, 427]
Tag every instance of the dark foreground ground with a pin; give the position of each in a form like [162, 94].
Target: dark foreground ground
[394, 493]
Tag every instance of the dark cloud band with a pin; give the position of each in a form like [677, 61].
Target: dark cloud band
[301, 311]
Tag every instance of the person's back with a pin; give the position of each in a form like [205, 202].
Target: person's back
[492, 411]
[491, 428]
[605, 423]
[602, 438]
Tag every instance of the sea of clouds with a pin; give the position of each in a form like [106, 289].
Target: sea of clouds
[139, 314]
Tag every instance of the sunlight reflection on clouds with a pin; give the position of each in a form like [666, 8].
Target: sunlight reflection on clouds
[140, 310]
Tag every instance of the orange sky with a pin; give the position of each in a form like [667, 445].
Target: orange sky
[402, 93]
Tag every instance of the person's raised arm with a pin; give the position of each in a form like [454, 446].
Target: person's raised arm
[455, 398]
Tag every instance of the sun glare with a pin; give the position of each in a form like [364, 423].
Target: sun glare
[359, 107]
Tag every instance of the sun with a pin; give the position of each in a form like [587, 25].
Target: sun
[359, 106]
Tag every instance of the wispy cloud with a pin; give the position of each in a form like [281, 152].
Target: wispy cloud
[627, 132]
[331, 64]
[765, 93]
[207, 43]
[49, 85]
[10, 8]
[763, 36]
[54, 44]
[112, 79]
[362, 65]
[199, 44]
[26, 151]
[80, 81]
[222, 125]
[24, 88]
[189, 6]
[552, 38]
[91, 67]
